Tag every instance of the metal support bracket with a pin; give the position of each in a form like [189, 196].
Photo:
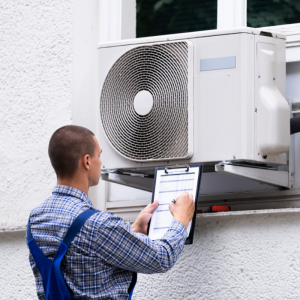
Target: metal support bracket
[291, 153]
[138, 182]
[276, 178]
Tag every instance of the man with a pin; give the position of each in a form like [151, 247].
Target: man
[106, 252]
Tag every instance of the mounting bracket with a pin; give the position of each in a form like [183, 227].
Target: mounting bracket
[273, 177]
[138, 182]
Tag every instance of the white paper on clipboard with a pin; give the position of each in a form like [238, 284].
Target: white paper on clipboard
[169, 186]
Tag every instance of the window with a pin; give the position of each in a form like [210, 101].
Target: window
[175, 16]
[262, 13]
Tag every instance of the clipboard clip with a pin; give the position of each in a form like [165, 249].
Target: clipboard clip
[168, 169]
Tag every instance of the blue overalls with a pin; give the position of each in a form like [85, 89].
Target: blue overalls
[53, 282]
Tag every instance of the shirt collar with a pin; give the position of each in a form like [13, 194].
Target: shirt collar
[73, 192]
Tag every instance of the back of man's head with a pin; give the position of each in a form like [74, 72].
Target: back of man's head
[67, 145]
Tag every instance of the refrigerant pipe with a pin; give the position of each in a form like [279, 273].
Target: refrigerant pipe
[295, 125]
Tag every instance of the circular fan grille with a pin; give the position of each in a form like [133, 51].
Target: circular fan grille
[161, 70]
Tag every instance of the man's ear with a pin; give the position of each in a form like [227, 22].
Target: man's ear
[86, 162]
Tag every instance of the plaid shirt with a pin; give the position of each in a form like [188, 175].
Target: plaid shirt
[100, 261]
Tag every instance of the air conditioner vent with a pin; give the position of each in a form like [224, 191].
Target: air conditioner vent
[141, 127]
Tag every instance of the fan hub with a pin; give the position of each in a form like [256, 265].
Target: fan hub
[143, 103]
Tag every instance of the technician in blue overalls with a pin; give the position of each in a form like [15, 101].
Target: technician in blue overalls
[98, 255]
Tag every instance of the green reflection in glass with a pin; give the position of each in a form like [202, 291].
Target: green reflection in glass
[175, 16]
[261, 13]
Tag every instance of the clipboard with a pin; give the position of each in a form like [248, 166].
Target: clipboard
[173, 181]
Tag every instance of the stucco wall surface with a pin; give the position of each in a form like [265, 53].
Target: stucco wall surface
[36, 38]
[237, 257]
[16, 278]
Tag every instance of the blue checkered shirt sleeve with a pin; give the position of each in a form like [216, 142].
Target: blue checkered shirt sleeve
[123, 248]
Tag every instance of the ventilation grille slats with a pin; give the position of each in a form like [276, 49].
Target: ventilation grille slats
[161, 70]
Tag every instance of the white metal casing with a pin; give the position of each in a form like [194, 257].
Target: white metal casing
[272, 119]
[226, 105]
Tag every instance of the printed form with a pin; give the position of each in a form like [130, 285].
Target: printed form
[169, 186]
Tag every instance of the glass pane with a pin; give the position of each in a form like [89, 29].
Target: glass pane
[261, 13]
[175, 16]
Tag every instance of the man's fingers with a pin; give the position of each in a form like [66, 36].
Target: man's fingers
[171, 206]
[151, 207]
[155, 204]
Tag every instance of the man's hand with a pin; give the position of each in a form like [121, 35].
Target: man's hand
[183, 209]
[141, 223]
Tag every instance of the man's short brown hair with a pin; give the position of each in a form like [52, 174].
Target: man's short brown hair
[67, 145]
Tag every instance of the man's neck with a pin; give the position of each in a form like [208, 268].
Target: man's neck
[77, 183]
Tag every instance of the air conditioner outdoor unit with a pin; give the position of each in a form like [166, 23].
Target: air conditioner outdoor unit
[197, 97]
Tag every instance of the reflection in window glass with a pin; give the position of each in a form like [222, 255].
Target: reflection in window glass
[159, 17]
[261, 13]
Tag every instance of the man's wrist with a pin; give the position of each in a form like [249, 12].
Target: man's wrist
[136, 228]
[183, 220]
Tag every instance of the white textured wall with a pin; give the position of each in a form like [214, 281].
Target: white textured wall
[36, 38]
[251, 257]
[45, 66]
[254, 257]
[16, 278]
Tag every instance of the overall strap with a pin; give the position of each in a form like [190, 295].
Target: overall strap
[132, 285]
[76, 226]
[28, 235]
[53, 280]
[73, 230]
